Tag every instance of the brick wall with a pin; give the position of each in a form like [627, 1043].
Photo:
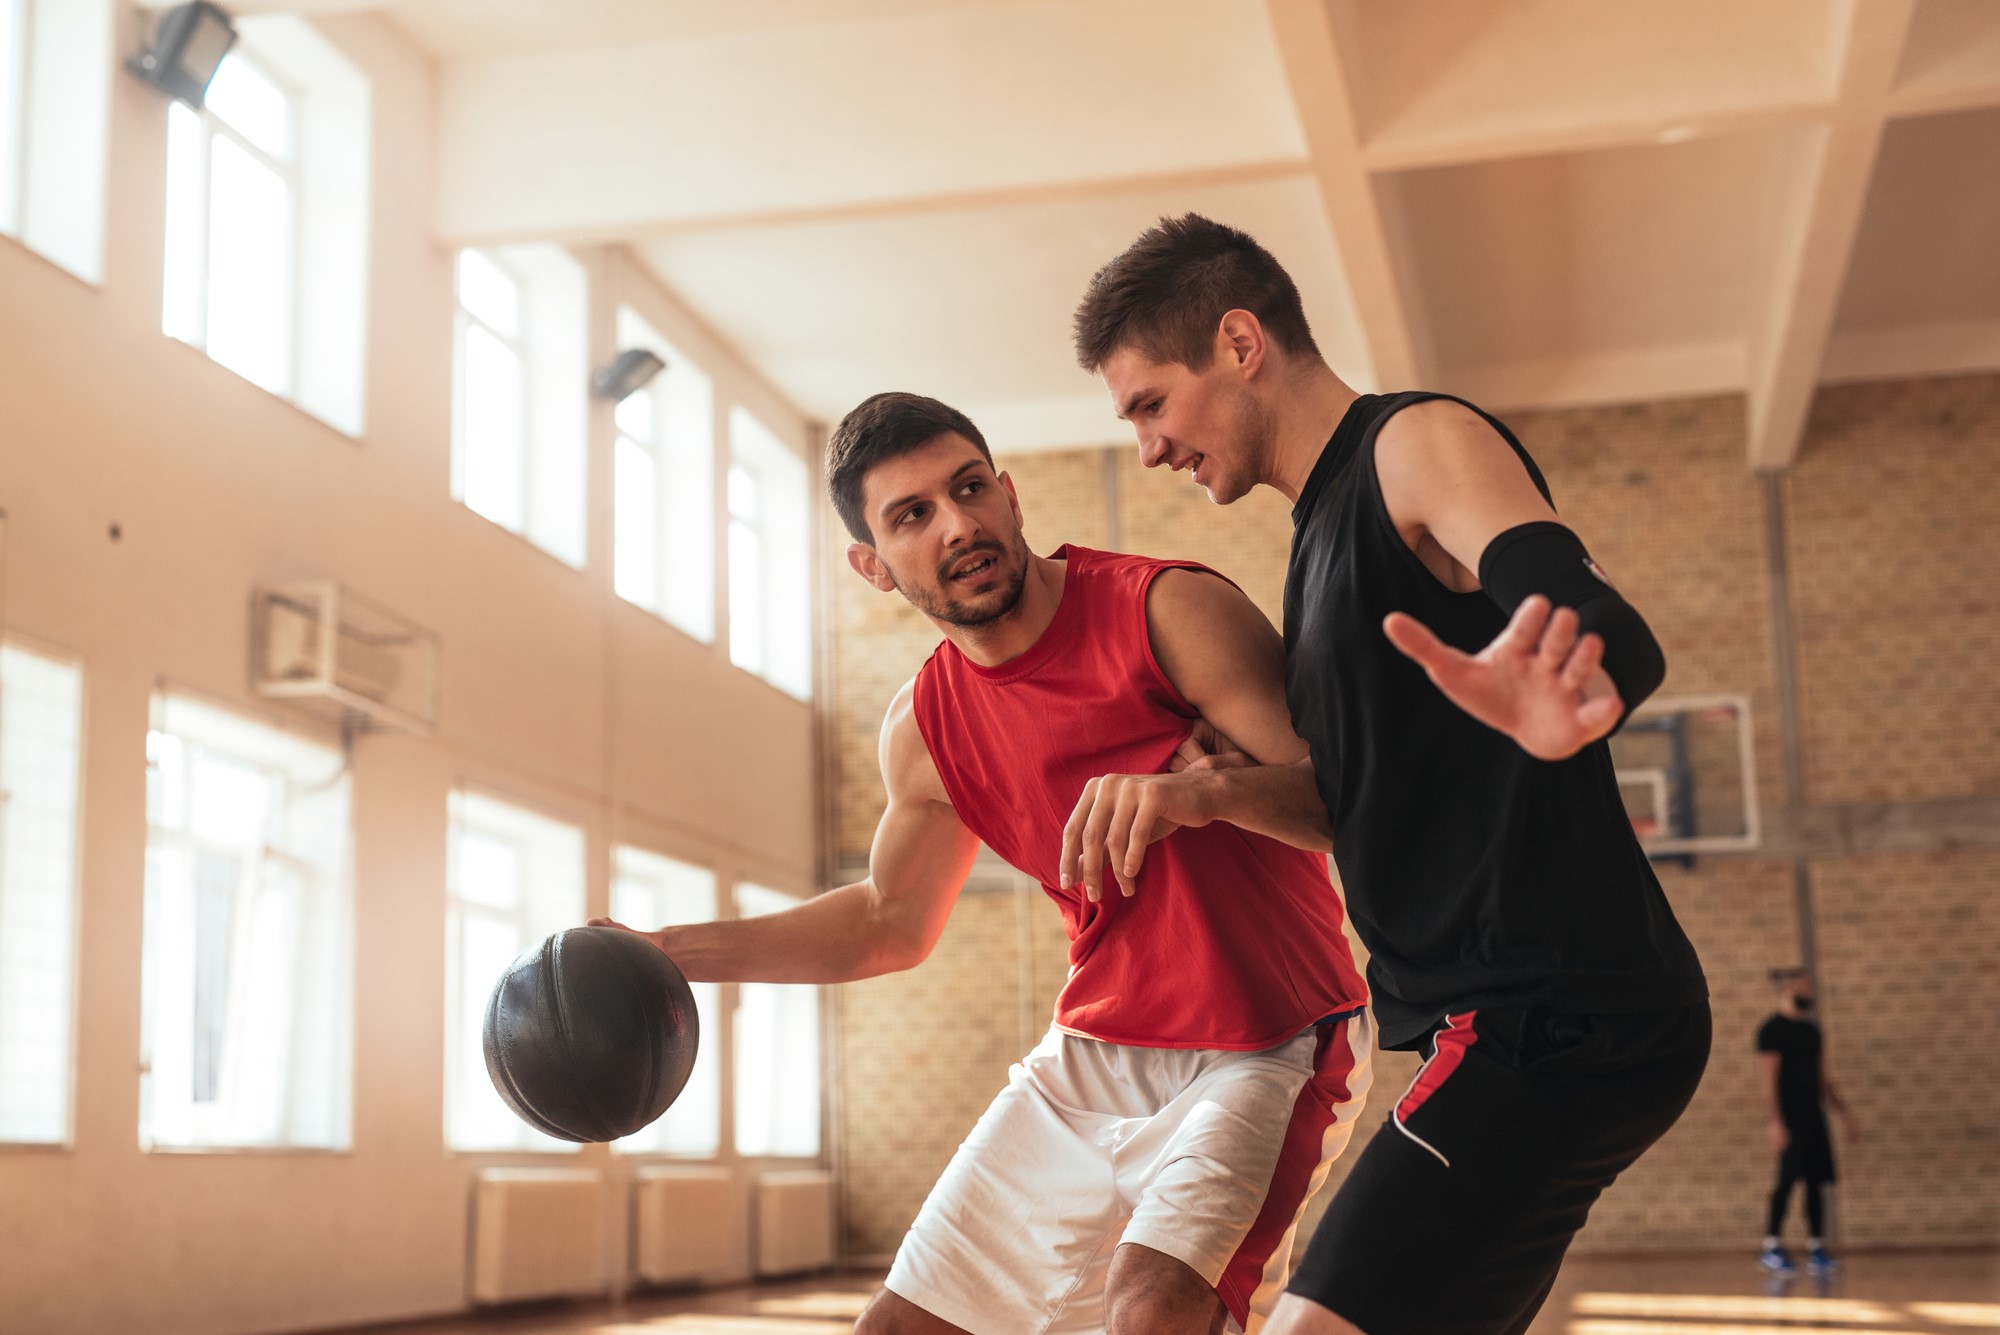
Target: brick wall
[1894, 542]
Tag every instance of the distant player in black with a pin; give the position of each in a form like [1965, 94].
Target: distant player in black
[1455, 661]
[1797, 1089]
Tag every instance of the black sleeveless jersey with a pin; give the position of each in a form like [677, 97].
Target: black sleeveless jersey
[1476, 875]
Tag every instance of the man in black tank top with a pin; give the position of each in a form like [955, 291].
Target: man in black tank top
[1455, 661]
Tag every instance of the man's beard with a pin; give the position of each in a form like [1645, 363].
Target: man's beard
[1255, 432]
[936, 601]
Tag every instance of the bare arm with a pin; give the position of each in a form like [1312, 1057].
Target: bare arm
[1831, 1094]
[1225, 659]
[1781, 1136]
[1451, 485]
[888, 922]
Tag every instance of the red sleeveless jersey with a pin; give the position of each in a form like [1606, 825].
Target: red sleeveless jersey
[1232, 940]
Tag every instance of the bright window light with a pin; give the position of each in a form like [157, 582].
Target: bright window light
[267, 219]
[1986, 1315]
[663, 465]
[777, 1054]
[247, 965]
[649, 891]
[519, 412]
[41, 725]
[13, 90]
[514, 876]
[55, 109]
[250, 102]
[250, 266]
[770, 579]
[636, 517]
[232, 198]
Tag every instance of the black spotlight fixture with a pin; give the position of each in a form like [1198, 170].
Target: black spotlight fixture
[188, 45]
[626, 374]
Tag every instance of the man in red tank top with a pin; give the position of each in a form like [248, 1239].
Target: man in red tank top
[1148, 1164]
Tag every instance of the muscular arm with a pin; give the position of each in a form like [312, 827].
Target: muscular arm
[1225, 660]
[1452, 485]
[890, 921]
[1228, 661]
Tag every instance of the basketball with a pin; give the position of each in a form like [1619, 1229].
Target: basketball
[590, 1034]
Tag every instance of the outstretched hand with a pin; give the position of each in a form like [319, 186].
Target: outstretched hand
[1539, 682]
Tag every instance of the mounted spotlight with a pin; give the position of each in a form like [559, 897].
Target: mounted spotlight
[626, 374]
[187, 46]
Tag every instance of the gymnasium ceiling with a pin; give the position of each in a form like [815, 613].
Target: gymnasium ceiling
[1532, 202]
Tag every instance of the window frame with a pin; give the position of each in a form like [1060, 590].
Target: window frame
[66, 1141]
[733, 1132]
[16, 17]
[290, 174]
[333, 887]
[752, 446]
[457, 1025]
[463, 321]
[716, 1028]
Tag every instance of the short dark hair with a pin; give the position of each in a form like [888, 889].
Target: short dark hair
[883, 427]
[1170, 289]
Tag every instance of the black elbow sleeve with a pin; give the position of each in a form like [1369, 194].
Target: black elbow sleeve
[1546, 558]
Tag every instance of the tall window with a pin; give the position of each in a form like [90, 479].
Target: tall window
[232, 201]
[514, 876]
[777, 1054]
[55, 106]
[770, 593]
[247, 964]
[520, 416]
[663, 525]
[493, 393]
[41, 725]
[13, 110]
[649, 891]
[267, 218]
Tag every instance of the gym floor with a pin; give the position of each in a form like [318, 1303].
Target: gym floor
[1880, 1293]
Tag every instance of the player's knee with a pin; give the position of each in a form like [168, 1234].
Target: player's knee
[1155, 1301]
[886, 1314]
[892, 1314]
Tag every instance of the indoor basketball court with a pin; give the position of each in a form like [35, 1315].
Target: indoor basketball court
[617, 715]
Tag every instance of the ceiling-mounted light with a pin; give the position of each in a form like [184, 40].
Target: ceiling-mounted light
[627, 373]
[187, 46]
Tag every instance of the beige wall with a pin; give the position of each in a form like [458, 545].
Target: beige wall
[553, 692]
[1893, 550]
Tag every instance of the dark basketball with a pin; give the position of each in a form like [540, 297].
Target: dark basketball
[591, 1034]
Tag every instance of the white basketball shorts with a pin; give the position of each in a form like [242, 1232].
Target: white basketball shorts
[1211, 1157]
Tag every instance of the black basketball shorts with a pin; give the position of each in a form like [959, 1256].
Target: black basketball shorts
[1456, 1215]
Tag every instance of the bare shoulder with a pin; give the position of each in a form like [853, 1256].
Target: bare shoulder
[907, 768]
[1439, 434]
[1207, 635]
[1182, 602]
[1443, 467]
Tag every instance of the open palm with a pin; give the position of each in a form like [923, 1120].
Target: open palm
[1538, 681]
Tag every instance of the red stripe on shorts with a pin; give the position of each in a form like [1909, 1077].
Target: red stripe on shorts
[1316, 1109]
[1452, 1041]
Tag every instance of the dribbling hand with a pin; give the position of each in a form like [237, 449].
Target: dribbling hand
[1539, 682]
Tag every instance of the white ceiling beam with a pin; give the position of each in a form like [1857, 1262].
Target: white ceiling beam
[1584, 134]
[1789, 341]
[1362, 233]
[1630, 376]
[901, 206]
[1922, 101]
